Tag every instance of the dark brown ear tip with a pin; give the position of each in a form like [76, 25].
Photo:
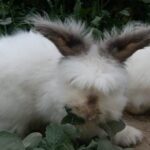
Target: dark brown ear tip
[125, 44]
[74, 41]
[68, 42]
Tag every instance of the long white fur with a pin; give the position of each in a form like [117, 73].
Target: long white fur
[139, 81]
[37, 81]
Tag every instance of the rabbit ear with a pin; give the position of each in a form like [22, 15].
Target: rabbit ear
[131, 39]
[69, 37]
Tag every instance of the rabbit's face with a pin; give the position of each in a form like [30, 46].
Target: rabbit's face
[86, 107]
[90, 74]
[96, 107]
[95, 86]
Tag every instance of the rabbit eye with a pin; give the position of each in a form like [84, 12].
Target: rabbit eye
[92, 99]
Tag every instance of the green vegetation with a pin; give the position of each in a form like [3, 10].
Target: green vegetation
[99, 14]
[63, 136]
[57, 137]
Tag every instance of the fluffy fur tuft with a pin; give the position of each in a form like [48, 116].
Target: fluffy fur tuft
[70, 25]
[129, 28]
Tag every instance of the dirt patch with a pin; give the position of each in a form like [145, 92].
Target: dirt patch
[141, 122]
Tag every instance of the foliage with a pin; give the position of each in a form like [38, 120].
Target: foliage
[99, 14]
[72, 118]
[58, 137]
[62, 137]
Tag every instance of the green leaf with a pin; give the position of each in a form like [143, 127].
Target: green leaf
[44, 144]
[72, 118]
[105, 144]
[71, 131]
[10, 141]
[65, 146]
[112, 127]
[77, 8]
[92, 145]
[59, 137]
[55, 134]
[96, 21]
[32, 140]
[125, 12]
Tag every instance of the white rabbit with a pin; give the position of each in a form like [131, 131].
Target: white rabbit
[138, 67]
[61, 65]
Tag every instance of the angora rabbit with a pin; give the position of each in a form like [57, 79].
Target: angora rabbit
[138, 67]
[60, 65]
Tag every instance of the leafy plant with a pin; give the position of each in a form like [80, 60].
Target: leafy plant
[62, 137]
[58, 137]
[10, 141]
[72, 118]
[112, 127]
[99, 14]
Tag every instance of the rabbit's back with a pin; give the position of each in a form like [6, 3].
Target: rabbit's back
[138, 67]
[26, 59]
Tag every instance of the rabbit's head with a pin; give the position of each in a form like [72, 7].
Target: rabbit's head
[91, 75]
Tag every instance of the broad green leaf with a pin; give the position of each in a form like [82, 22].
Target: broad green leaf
[59, 136]
[55, 134]
[71, 131]
[112, 127]
[105, 144]
[65, 146]
[92, 145]
[10, 141]
[32, 140]
[105, 13]
[73, 119]
[44, 144]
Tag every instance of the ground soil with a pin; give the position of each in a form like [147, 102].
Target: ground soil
[141, 122]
